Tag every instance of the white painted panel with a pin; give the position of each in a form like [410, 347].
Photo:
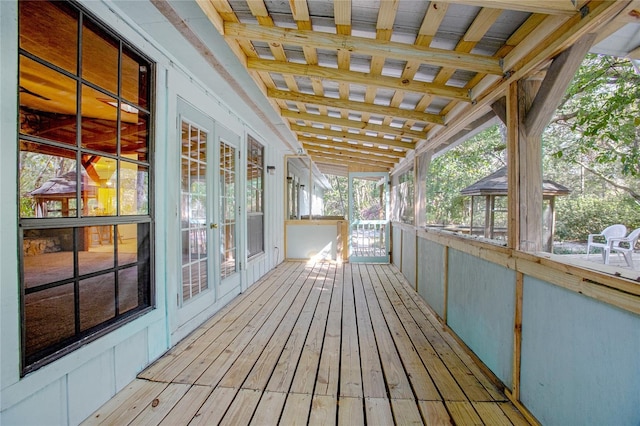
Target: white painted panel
[307, 241]
[48, 406]
[9, 330]
[396, 246]
[89, 385]
[409, 256]
[580, 358]
[480, 309]
[132, 355]
[431, 274]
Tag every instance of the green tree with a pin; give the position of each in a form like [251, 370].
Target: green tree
[597, 125]
[458, 168]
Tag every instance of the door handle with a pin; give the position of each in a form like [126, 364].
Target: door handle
[213, 226]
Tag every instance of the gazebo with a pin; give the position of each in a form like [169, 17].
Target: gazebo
[60, 189]
[495, 185]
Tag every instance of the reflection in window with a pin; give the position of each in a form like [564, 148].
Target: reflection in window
[54, 26]
[227, 172]
[93, 270]
[255, 194]
[193, 229]
[65, 264]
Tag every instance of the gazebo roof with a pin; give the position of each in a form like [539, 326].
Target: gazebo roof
[496, 184]
[62, 187]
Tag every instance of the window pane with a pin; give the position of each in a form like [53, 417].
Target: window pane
[98, 251]
[127, 244]
[99, 184]
[47, 181]
[134, 133]
[97, 300]
[48, 256]
[135, 79]
[73, 277]
[47, 103]
[134, 189]
[99, 121]
[51, 32]
[49, 317]
[128, 289]
[99, 57]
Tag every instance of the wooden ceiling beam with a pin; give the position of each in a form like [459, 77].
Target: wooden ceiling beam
[337, 159]
[351, 147]
[352, 136]
[353, 124]
[549, 7]
[561, 72]
[364, 46]
[355, 106]
[564, 36]
[365, 79]
[371, 159]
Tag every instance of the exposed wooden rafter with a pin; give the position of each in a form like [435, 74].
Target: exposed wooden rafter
[364, 46]
[355, 106]
[354, 124]
[361, 78]
[352, 136]
[400, 83]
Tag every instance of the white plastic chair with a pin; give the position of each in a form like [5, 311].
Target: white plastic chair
[595, 240]
[626, 249]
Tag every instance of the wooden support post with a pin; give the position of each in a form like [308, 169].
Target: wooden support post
[420, 170]
[513, 164]
[530, 172]
[487, 216]
[517, 337]
[471, 217]
[527, 110]
[445, 278]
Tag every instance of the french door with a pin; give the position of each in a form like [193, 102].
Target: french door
[226, 217]
[369, 217]
[209, 212]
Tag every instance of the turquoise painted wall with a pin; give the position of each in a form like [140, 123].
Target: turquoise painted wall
[431, 274]
[580, 358]
[481, 300]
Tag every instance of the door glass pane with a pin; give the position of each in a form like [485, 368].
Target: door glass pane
[193, 169]
[228, 251]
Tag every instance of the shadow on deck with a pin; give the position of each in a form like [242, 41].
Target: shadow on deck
[316, 343]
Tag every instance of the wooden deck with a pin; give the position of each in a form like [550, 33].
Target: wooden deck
[316, 344]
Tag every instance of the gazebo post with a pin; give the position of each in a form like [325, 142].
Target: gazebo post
[487, 217]
[471, 217]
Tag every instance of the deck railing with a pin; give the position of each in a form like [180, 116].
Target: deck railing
[562, 338]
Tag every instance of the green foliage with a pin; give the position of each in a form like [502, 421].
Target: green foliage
[459, 168]
[336, 199]
[580, 216]
[597, 123]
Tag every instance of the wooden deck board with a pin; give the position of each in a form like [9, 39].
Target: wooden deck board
[421, 382]
[316, 343]
[443, 380]
[466, 375]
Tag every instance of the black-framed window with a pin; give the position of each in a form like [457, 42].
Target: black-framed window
[255, 197]
[84, 180]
